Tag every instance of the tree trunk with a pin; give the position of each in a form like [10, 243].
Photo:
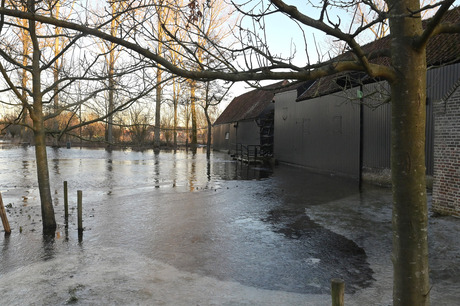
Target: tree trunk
[175, 101]
[57, 32]
[410, 213]
[24, 80]
[111, 105]
[111, 75]
[194, 141]
[156, 141]
[208, 120]
[175, 125]
[48, 218]
[209, 140]
[157, 113]
[56, 102]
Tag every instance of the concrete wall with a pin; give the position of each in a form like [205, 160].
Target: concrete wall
[446, 185]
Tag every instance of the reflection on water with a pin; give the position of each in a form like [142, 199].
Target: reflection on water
[189, 211]
[181, 169]
[157, 169]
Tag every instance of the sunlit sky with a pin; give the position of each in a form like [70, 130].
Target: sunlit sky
[284, 36]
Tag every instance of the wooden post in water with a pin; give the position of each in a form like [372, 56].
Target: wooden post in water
[337, 292]
[6, 225]
[66, 203]
[79, 210]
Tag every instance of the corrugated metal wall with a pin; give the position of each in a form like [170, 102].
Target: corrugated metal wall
[429, 138]
[220, 140]
[245, 132]
[286, 134]
[321, 134]
[248, 133]
[440, 81]
[376, 126]
[377, 121]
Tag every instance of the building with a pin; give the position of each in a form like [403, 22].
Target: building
[446, 186]
[247, 122]
[341, 124]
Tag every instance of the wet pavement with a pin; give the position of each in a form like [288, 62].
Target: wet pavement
[180, 229]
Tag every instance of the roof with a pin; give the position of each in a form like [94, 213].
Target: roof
[441, 49]
[249, 105]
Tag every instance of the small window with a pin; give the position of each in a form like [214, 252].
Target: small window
[227, 135]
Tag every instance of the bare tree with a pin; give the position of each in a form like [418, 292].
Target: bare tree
[367, 12]
[140, 119]
[214, 94]
[36, 109]
[37, 93]
[162, 13]
[405, 72]
[212, 23]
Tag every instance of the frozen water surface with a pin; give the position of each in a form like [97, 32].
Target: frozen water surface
[178, 229]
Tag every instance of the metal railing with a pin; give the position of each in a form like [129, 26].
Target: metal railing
[247, 152]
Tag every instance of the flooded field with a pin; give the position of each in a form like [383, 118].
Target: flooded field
[181, 229]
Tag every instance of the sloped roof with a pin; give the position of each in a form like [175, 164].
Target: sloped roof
[249, 105]
[441, 49]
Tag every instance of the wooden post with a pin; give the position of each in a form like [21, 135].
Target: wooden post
[79, 210]
[337, 292]
[66, 203]
[6, 225]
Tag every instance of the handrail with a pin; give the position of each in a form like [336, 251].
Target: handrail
[247, 151]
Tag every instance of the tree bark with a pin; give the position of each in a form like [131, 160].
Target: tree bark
[410, 213]
[194, 141]
[57, 32]
[209, 123]
[175, 101]
[111, 99]
[157, 113]
[111, 75]
[209, 140]
[156, 141]
[24, 79]
[48, 218]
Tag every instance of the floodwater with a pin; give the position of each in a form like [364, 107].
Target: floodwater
[179, 229]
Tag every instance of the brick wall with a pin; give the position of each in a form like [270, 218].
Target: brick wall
[446, 185]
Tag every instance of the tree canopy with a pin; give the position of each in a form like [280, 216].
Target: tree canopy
[250, 58]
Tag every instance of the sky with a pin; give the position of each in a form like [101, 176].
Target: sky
[283, 36]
